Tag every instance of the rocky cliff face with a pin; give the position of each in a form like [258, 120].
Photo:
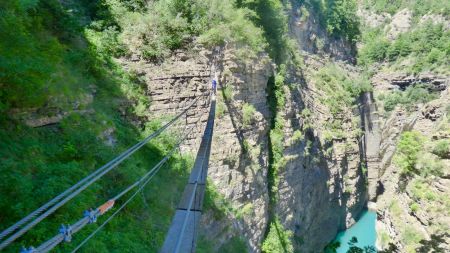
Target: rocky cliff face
[239, 162]
[322, 187]
[411, 205]
[322, 184]
[239, 158]
[400, 221]
[305, 27]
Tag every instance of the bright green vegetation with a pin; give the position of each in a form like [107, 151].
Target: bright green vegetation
[221, 209]
[45, 61]
[408, 99]
[417, 157]
[47, 52]
[442, 149]
[248, 114]
[276, 137]
[155, 29]
[342, 93]
[297, 136]
[340, 20]
[414, 158]
[278, 239]
[341, 89]
[419, 7]
[227, 92]
[411, 237]
[338, 17]
[425, 47]
[408, 148]
[221, 108]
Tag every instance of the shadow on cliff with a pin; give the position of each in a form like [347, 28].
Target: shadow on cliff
[318, 200]
[239, 130]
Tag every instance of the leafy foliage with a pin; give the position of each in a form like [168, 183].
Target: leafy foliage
[276, 137]
[413, 95]
[47, 51]
[442, 149]
[278, 240]
[269, 14]
[425, 46]
[235, 244]
[341, 89]
[339, 17]
[248, 113]
[408, 148]
[419, 7]
[32, 61]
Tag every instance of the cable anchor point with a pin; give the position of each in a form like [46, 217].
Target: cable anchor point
[92, 214]
[29, 250]
[66, 231]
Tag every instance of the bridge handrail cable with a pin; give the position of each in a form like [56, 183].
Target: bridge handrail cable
[74, 190]
[141, 182]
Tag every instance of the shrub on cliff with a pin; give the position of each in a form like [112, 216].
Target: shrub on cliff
[408, 148]
[425, 47]
[442, 149]
[409, 98]
[338, 17]
[248, 113]
[278, 240]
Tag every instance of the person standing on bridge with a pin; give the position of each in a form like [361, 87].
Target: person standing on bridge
[214, 84]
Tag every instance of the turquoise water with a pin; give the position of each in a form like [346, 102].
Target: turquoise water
[364, 230]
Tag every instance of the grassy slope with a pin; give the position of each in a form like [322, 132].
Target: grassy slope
[45, 54]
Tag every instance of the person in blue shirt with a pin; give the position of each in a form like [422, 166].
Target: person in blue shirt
[214, 85]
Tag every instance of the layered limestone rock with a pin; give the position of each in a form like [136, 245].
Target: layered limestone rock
[56, 109]
[239, 160]
[322, 188]
[239, 156]
[400, 23]
[173, 85]
[305, 27]
[399, 221]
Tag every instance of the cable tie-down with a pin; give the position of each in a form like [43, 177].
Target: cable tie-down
[66, 232]
[92, 214]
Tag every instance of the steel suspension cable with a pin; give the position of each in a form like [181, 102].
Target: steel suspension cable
[115, 213]
[68, 194]
[53, 242]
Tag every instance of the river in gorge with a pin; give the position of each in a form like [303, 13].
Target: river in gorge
[363, 230]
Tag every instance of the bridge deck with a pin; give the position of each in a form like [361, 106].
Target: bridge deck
[189, 209]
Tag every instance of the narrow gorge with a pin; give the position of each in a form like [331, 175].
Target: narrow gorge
[324, 109]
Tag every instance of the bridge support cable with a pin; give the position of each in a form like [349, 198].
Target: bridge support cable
[51, 206]
[182, 234]
[91, 215]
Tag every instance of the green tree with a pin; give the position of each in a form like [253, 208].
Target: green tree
[408, 148]
[278, 239]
